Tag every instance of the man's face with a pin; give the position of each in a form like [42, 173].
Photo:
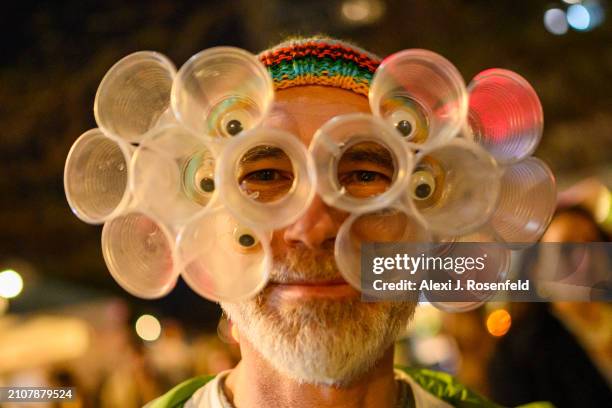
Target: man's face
[308, 322]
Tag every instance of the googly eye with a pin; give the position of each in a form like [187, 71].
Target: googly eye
[207, 184]
[235, 121]
[245, 238]
[422, 185]
[233, 127]
[404, 122]
[231, 116]
[408, 117]
[198, 177]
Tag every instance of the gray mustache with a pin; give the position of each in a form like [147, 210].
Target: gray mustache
[299, 265]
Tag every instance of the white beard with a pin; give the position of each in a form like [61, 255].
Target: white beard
[318, 341]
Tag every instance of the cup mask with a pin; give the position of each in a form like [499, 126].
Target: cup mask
[189, 182]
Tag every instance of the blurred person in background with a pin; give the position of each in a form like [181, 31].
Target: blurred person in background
[561, 351]
[133, 380]
[170, 355]
[475, 346]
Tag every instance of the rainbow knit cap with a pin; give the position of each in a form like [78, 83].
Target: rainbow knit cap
[320, 61]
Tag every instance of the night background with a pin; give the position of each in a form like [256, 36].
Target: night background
[54, 54]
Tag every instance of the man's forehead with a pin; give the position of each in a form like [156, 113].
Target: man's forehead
[303, 110]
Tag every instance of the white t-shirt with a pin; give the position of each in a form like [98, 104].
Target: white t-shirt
[211, 395]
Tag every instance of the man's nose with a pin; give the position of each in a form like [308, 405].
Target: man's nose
[316, 228]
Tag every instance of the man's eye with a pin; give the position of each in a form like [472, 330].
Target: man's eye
[266, 185]
[364, 183]
[265, 175]
[364, 176]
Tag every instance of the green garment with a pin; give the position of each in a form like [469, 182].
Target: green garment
[442, 385]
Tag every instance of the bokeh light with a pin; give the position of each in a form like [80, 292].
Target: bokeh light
[578, 17]
[555, 21]
[499, 322]
[11, 284]
[362, 11]
[148, 327]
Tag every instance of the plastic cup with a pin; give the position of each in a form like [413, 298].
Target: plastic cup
[455, 187]
[360, 148]
[222, 91]
[134, 94]
[528, 198]
[505, 115]
[173, 175]
[396, 224]
[266, 178]
[221, 259]
[96, 177]
[139, 253]
[482, 243]
[421, 94]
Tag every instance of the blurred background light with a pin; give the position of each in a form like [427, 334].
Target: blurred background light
[499, 322]
[22, 347]
[585, 16]
[572, 1]
[11, 284]
[578, 17]
[148, 327]
[362, 12]
[555, 21]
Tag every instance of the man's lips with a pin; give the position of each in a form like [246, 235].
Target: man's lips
[333, 288]
[327, 282]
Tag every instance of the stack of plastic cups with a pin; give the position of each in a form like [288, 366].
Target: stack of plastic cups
[148, 172]
[479, 188]
[223, 93]
[506, 118]
[132, 99]
[170, 169]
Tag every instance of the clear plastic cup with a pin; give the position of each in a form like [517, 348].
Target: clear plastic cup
[266, 178]
[421, 94]
[483, 243]
[139, 252]
[222, 91]
[96, 177]
[527, 202]
[361, 163]
[398, 223]
[221, 259]
[505, 115]
[134, 94]
[173, 174]
[455, 187]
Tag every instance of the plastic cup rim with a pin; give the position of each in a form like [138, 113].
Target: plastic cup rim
[126, 152]
[115, 68]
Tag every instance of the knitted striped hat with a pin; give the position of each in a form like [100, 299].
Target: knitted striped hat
[320, 61]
